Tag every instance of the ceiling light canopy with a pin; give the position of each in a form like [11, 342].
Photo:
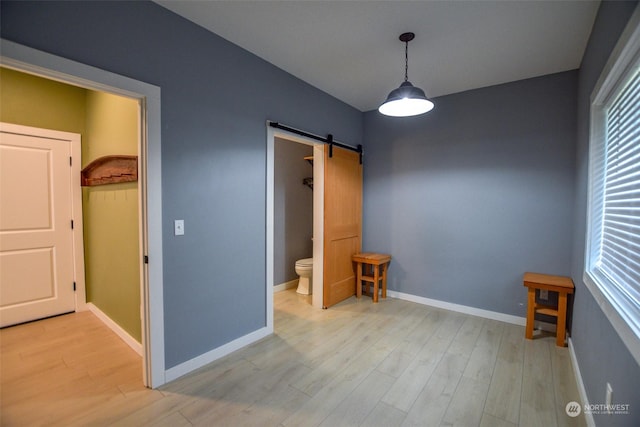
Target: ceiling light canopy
[407, 100]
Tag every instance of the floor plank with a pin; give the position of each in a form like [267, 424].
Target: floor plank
[467, 403]
[503, 399]
[537, 399]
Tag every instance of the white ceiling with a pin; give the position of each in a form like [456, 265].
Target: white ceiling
[350, 49]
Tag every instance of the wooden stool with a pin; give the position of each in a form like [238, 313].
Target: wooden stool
[561, 285]
[375, 266]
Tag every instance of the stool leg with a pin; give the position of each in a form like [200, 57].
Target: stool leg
[359, 280]
[384, 280]
[376, 278]
[531, 309]
[561, 327]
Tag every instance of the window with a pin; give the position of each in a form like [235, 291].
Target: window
[612, 267]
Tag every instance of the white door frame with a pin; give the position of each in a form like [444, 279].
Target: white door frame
[39, 63]
[318, 216]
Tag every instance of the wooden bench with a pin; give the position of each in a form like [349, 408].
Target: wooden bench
[560, 284]
[375, 270]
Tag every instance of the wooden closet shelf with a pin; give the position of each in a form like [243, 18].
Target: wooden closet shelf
[110, 170]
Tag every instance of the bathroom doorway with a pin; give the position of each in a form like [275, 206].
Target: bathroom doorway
[293, 217]
[296, 144]
[337, 216]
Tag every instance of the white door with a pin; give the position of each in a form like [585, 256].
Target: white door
[36, 238]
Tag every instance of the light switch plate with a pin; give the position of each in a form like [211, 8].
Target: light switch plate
[178, 227]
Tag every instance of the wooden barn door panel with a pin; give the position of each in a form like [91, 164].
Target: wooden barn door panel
[342, 223]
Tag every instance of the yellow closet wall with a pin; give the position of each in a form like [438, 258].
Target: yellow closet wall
[111, 214]
[32, 101]
[108, 125]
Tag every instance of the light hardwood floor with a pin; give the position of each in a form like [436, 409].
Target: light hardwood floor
[358, 363]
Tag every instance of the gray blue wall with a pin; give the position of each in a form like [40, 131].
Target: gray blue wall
[601, 354]
[472, 195]
[292, 209]
[216, 99]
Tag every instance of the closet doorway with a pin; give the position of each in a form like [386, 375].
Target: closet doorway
[149, 234]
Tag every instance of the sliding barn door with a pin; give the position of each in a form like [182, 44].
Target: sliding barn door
[342, 223]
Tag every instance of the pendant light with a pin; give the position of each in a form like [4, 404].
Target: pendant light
[407, 100]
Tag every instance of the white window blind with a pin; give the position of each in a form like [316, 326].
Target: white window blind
[613, 253]
[620, 247]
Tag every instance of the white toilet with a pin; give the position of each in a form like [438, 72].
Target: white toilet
[304, 269]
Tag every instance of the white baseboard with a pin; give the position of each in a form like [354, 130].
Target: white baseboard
[583, 392]
[124, 335]
[494, 315]
[215, 354]
[286, 285]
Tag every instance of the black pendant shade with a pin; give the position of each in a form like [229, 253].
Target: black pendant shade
[407, 100]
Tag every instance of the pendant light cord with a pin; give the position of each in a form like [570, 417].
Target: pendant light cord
[406, 61]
